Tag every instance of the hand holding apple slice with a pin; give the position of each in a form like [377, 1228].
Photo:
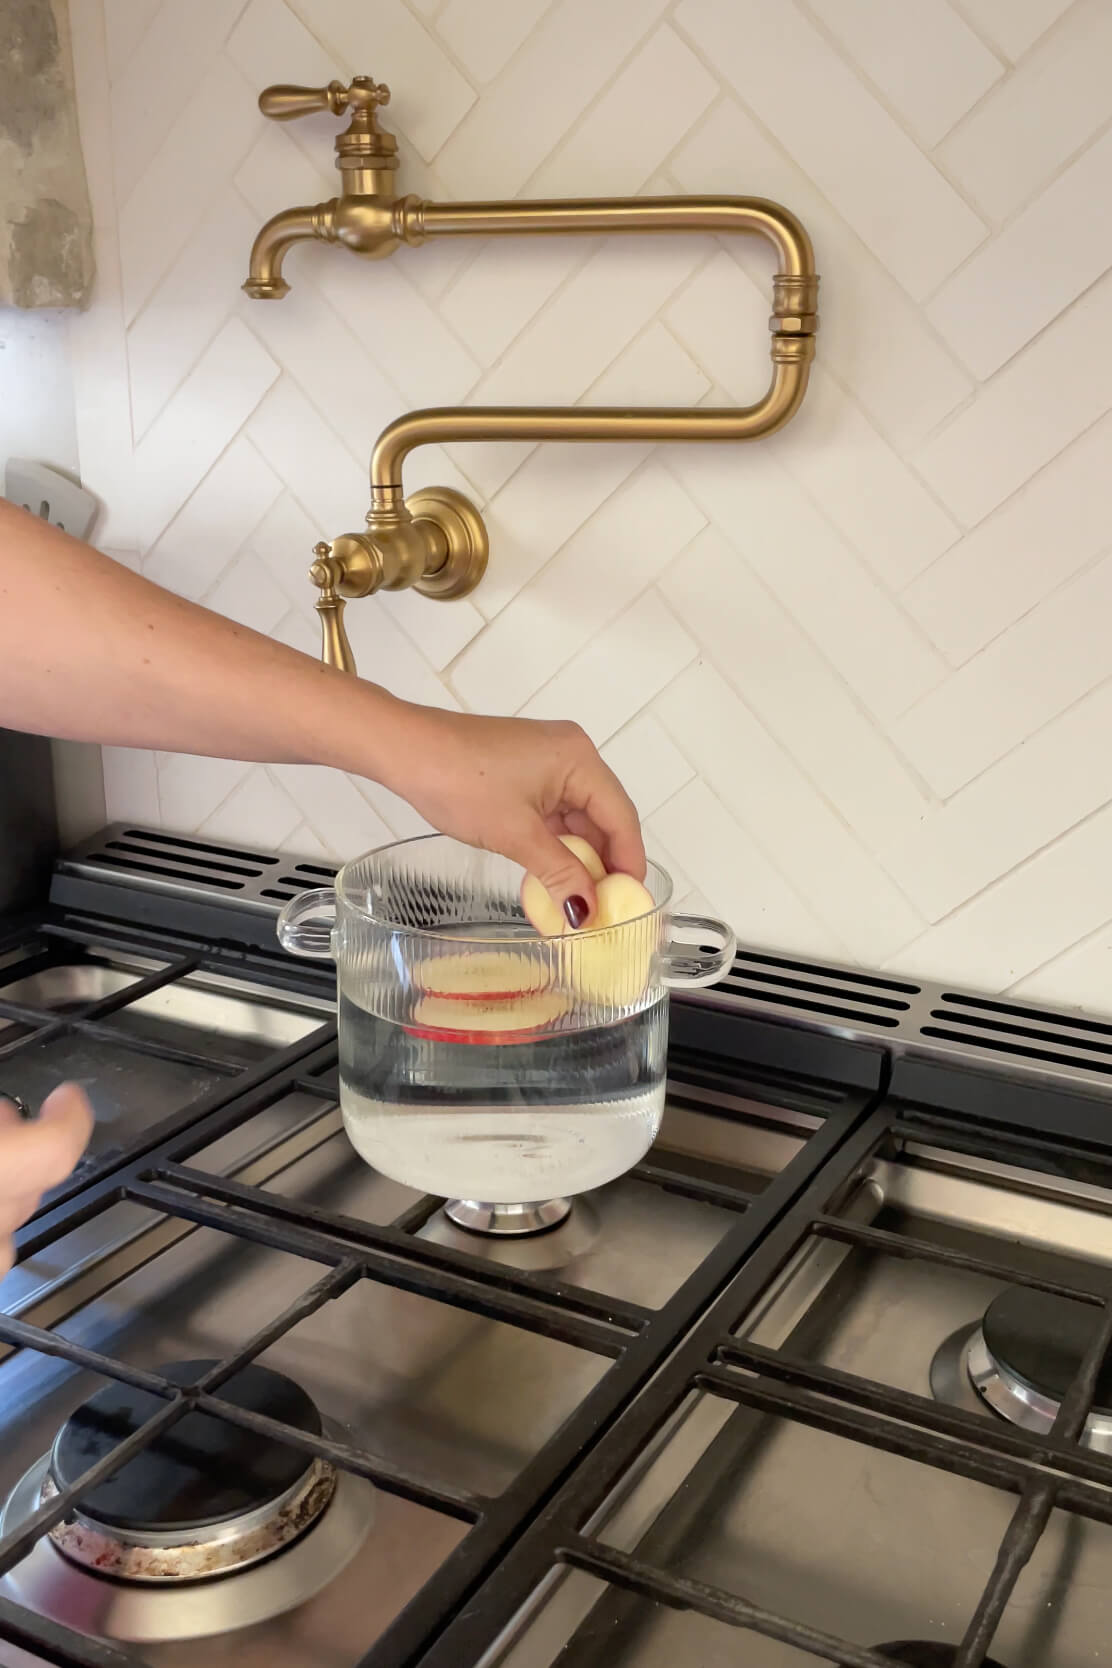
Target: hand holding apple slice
[542, 909]
[608, 969]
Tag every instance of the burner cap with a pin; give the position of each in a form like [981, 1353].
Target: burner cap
[1041, 1339]
[201, 1471]
[922, 1653]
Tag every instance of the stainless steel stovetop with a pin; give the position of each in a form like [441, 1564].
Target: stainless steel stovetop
[824, 1375]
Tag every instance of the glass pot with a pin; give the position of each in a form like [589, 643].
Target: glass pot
[478, 1061]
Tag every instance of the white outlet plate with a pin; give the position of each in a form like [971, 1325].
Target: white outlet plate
[52, 496]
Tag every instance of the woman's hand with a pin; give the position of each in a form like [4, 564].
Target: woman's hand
[37, 1155]
[512, 785]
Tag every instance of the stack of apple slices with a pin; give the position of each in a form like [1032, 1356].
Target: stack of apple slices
[496, 996]
[602, 968]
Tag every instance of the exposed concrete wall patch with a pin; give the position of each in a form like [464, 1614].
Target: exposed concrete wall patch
[46, 244]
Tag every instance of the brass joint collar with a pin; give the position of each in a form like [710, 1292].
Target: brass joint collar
[795, 300]
[792, 350]
[386, 499]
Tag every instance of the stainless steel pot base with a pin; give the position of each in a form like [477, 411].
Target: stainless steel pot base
[507, 1220]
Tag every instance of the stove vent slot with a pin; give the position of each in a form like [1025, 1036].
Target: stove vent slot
[178, 843]
[132, 853]
[185, 865]
[166, 871]
[860, 999]
[1011, 1030]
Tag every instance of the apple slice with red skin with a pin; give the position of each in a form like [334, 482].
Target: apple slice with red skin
[441, 1019]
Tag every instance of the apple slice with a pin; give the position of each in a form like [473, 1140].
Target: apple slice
[542, 909]
[443, 1019]
[612, 968]
[479, 976]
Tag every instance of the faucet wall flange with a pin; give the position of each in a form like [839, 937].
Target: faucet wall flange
[434, 542]
[464, 532]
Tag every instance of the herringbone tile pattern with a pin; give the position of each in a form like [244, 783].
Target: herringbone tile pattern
[859, 677]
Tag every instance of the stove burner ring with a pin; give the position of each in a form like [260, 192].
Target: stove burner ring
[194, 1555]
[153, 1612]
[205, 1497]
[1025, 1353]
[925, 1653]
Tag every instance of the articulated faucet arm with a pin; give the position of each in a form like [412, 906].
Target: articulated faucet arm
[435, 540]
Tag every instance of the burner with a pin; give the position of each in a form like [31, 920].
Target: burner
[1041, 1340]
[205, 1497]
[921, 1653]
[1027, 1352]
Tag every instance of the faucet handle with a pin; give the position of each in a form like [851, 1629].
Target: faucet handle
[325, 574]
[284, 103]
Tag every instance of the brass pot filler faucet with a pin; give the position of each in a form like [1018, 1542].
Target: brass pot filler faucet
[435, 540]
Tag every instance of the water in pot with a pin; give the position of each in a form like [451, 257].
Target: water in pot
[478, 1060]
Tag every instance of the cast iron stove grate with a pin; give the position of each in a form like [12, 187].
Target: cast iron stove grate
[542, 1522]
[155, 1172]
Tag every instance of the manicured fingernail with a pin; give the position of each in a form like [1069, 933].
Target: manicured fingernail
[575, 909]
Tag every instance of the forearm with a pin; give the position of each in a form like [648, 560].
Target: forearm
[90, 651]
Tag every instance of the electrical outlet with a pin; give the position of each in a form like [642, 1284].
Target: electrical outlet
[50, 495]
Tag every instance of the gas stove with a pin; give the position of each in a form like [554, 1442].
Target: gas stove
[822, 1380]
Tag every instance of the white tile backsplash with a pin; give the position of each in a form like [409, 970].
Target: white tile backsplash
[646, 111]
[932, 87]
[1006, 149]
[619, 672]
[811, 100]
[1035, 266]
[1034, 542]
[1027, 413]
[855, 676]
[1013, 25]
[190, 435]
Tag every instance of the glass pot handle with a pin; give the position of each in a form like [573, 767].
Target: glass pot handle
[689, 966]
[306, 924]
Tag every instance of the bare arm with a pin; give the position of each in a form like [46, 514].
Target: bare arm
[90, 651]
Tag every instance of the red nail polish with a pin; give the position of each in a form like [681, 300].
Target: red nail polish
[575, 909]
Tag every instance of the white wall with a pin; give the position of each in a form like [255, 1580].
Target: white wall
[857, 676]
[36, 390]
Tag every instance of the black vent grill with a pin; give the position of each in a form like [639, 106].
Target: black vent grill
[912, 1020]
[925, 1021]
[836, 995]
[192, 868]
[1021, 1033]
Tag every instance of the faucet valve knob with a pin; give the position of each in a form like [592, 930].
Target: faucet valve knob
[284, 103]
[326, 573]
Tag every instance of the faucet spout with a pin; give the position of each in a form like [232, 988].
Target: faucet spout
[293, 225]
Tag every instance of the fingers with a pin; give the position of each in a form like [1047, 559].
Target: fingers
[561, 873]
[578, 822]
[601, 797]
[37, 1155]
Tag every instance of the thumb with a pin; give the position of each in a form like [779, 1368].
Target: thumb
[46, 1149]
[559, 871]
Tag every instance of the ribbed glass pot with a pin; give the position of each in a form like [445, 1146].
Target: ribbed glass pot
[478, 1060]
